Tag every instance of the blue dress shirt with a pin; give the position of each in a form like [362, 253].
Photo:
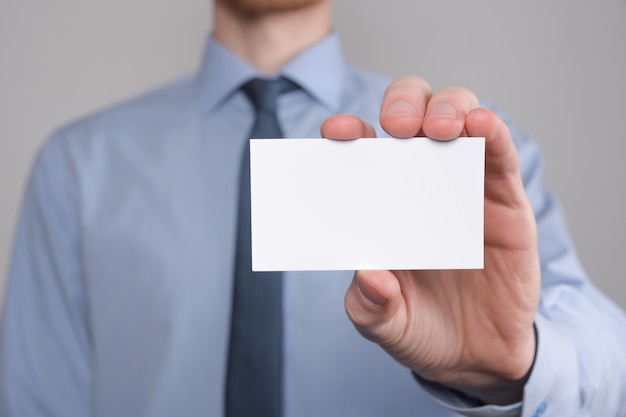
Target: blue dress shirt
[119, 292]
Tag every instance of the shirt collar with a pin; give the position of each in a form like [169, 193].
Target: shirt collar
[319, 70]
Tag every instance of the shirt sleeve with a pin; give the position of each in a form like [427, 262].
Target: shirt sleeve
[45, 346]
[580, 365]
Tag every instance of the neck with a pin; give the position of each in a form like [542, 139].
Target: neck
[269, 41]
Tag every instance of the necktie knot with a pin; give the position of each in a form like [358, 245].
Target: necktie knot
[263, 93]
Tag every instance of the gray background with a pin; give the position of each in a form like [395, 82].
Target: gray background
[558, 67]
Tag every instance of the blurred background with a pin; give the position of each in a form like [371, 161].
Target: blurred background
[558, 68]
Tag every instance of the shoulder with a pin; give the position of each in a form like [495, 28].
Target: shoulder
[123, 131]
[134, 117]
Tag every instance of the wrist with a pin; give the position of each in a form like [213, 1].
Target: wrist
[494, 387]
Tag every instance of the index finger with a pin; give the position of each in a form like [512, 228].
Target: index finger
[346, 127]
[404, 106]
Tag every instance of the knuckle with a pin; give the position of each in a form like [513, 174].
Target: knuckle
[461, 95]
[410, 84]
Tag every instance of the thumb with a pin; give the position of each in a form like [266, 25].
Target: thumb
[372, 303]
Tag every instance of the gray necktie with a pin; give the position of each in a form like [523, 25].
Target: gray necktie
[254, 379]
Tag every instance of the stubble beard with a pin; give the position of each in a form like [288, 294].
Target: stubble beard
[255, 8]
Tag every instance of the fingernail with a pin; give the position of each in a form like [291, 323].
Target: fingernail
[442, 110]
[401, 108]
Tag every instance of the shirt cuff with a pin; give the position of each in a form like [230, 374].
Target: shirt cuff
[551, 390]
[467, 406]
[553, 386]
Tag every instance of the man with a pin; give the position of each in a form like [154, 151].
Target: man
[120, 290]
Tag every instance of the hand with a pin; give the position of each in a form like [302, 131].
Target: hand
[471, 330]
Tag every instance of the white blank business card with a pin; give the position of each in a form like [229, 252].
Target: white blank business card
[321, 204]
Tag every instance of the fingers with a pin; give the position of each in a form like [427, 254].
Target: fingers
[345, 127]
[500, 152]
[372, 303]
[410, 109]
[446, 113]
[503, 180]
[403, 107]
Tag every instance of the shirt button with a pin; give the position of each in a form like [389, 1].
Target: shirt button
[540, 410]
